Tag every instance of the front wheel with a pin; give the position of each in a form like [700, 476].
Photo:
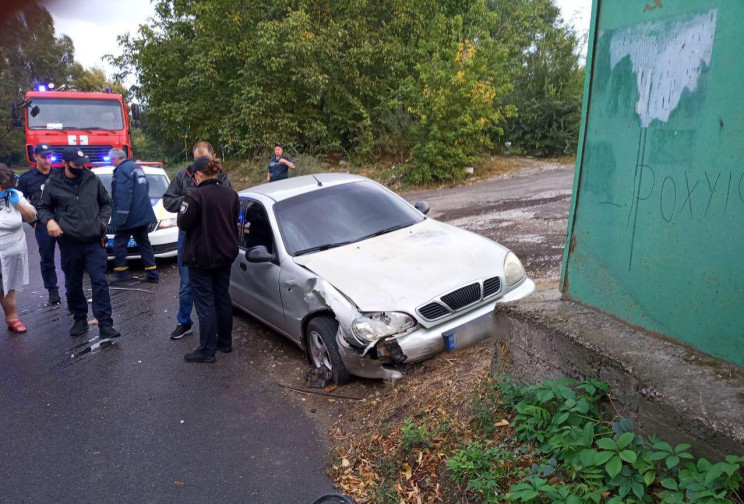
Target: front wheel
[322, 348]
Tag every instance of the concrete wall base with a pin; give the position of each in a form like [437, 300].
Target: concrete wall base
[666, 389]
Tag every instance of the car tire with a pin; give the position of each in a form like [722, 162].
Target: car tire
[322, 349]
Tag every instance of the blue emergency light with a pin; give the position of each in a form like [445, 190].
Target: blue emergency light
[45, 87]
[53, 159]
[107, 158]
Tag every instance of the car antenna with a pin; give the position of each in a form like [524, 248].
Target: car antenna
[316, 179]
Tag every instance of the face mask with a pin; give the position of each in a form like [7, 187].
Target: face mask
[75, 171]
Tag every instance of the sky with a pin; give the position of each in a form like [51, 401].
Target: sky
[94, 25]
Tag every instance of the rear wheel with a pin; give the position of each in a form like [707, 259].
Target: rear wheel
[322, 348]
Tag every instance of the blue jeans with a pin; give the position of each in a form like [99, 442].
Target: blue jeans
[185, 296]
[79, 258]
[46, 253]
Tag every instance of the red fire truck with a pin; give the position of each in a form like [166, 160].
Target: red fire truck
[95, 122]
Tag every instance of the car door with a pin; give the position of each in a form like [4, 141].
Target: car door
[255, 286]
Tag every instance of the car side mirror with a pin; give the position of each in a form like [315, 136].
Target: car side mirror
[35, 111]
[258, 254]
[422, 206]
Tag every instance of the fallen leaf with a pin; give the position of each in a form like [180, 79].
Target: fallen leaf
[502, 423]
[345, 463]
[407, 471]
[330, 388]
[179, 483]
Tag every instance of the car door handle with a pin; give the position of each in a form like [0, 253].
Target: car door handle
[243, 267]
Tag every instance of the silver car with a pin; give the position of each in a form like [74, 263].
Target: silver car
[363, 281]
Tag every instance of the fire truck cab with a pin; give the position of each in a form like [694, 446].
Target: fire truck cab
[95, 122]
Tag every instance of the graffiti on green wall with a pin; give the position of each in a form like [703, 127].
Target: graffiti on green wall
[657, 224]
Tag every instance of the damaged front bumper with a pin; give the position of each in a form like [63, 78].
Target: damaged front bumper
[377, 360]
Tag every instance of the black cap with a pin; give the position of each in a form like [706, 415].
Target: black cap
[73, 154]
[43, 150]
[201, 163]
[279, 145]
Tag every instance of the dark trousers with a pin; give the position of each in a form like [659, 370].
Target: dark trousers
[46, 253]
[140, 235]
[213, 307]
[79, 258]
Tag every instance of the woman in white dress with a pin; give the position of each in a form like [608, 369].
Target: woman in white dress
[14, 210]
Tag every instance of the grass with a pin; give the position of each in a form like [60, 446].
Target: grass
[248, 173]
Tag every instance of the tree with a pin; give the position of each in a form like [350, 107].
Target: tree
[29, 53]
[426, 80]
[548, 84]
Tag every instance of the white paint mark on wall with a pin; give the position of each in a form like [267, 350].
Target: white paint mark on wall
[667, 58]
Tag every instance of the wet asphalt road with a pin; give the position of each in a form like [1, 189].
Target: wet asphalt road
[134, 423]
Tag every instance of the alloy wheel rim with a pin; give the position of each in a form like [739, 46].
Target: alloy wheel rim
[319, 351]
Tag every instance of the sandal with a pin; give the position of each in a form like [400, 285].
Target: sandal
[16, 326]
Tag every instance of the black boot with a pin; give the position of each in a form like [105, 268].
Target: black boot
[108, 332]
[79, 328]
[54, 297]
[197, 356]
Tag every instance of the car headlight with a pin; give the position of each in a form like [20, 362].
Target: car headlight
[167, 223]
[373, 326]
[513, 269]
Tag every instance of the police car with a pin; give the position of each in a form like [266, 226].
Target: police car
[164, 232]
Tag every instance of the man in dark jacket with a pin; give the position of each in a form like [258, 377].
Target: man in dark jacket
[75, 209]
[132, 215]
[181, 185]
[31, 184]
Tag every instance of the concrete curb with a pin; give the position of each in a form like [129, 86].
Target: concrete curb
[669, 390]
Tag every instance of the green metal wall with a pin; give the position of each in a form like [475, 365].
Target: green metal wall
[656, 232]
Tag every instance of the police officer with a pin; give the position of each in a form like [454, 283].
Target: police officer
[31, 184]
[75, 208]
[132, 215]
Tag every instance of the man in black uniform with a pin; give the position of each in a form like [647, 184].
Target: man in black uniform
[75, 208]
[31, 184]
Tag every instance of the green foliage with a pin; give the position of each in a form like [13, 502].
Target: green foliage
[485, 468]
[584, 459]
[548, 85]
[29, 53]
[415, 436]
[424, 80]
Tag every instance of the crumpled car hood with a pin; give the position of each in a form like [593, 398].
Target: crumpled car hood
[404, 269]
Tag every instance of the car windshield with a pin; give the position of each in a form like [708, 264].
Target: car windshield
[158, 183]
[57, 113]
[338, 215]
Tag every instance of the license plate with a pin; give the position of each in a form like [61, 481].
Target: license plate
[470, 333]
[131, 243]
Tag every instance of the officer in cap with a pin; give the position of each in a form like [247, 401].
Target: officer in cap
[31, 184]
[75, 208]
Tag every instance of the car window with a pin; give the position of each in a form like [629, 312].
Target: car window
[158, 183]
[341, 214]
[254, 228]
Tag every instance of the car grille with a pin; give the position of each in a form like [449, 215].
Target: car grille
[96, 153]
[433, 311]
[463, 297]
[491, 286]
[460, 298]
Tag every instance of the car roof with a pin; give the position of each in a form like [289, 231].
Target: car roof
[294, 186]
[107, 170]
